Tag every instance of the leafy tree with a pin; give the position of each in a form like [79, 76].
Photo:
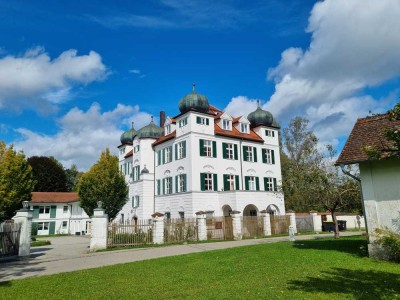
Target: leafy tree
[16, 181]
[103, 182]
[48, 173]
[72, 175]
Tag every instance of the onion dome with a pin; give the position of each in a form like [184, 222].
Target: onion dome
[194, 101]
[128, 136]
[144, 170]
[260, 117]
[150, 131]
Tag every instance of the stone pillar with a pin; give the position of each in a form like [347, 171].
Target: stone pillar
[201, 226]
[266, 222]
[24, 218]
[98, 238]
[292, 220]
[317, 222]
[158, 228]
[236, 225]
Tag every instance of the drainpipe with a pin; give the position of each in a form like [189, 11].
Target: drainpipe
[241, 163]
[362, 196]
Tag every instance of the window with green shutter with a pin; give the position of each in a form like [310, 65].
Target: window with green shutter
[158, 187]
[215, 182]
[237, 186]
[273, 156]
[201, 147]
[158, 157]
[202, 181]
[35, 212]
[53, 211]
[224, 149]
[214, 148]
[235, 148]
[255, 154]
[245, 153]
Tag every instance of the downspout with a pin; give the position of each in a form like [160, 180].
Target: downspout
[362, 196]
[154, 181]
[241, 163]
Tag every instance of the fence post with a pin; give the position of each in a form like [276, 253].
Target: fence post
[236, 225]
[24, 218]
[292, 216]
[201, 226]
[98, 239]
[266, 222]
[158, 228]
[317, 222]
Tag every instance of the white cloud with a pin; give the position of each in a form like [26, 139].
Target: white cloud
[34, 80]
[135, 71]
[241, 106]
[83, 134]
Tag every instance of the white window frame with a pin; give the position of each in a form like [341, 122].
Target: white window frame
[168, 185]
[65, 211]
[244, 128]
[45, 210]
[168, 129]
[183, 122]
[202, 121]
[252, 183]
[226, 124]
[181, 183]
[208, 148]
[269, 133]
[268, 156]
[167, 155]
[208, 182]
[232, 182]
[250, 155]
[229, 151]
[64, 224]
[180, 150]
[270, 184]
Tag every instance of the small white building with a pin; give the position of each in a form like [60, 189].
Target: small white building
[58, 213]
[379, 178]
[203, 159]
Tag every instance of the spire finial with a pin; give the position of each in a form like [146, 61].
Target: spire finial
[258, 103]
[152, 119]
[193, 87]
[133, 124]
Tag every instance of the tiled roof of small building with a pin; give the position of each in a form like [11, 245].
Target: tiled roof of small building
[54, 197]
[367, 131]
[234, 133]
[165, 138]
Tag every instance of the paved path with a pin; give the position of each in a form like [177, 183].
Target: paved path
[70, 253]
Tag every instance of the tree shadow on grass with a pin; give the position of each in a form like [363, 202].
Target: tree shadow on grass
[360, 284]
[356, 247]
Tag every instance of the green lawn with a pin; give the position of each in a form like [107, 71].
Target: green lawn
[316, 269]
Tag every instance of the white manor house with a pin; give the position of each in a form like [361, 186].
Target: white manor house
[203, 159]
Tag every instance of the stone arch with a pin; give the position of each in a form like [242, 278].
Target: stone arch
[226, 210]
[250, 211]
[272, 209]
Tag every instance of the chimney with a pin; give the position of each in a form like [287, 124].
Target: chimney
[162, 118]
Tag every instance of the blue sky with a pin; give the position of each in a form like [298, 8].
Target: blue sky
[75, 74]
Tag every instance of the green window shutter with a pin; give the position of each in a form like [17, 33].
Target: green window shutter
[36, 212]
[264, 155]
[176, 151]
[163, 186]
[138, 172]
[246, 182]
[170, 185]
[52, 227]
[245, 157]
[226, 183]
[275, 186]
[170, 153]
[53, 210]
[257, 184]
[215, 182]
[237, 182]
[255, 153]
[184, 149]
[159, 157]
[184, 183]
[214, 148]
[198, 120]
[235, 148]
[224, 146]
[273, 156]
[158, 187]
[201, 147]
[202, 182]
[163, 156]
[207, 121]
[266, 184]
[176, 184]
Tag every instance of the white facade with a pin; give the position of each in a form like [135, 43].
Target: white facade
[204, 162]
[60, 218]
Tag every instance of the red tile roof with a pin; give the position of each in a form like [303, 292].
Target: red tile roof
[165, 138]
[252, 136]
[54, 197]
[367, 131]
[130, 153]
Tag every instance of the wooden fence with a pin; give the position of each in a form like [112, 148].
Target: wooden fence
[9, 239]
[304, 223]
[130, 233]
[180, 230]
[280, 224]
[219, 228]
[252, 226]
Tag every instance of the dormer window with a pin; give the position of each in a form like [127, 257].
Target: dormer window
[244, 128]
[168, 129]
[202, 121]
[269, 133]
[226, 124]
[183, 122]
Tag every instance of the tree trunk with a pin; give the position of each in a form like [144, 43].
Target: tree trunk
[336, 224]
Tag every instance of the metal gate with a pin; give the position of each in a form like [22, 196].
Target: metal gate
[219, 228]
[280, 224]
[9, 239]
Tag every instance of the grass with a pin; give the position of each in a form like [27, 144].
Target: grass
[40, 243]
[315, 269]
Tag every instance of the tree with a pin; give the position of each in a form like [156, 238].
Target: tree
[48, 173]
[72, 176]
[103, 182]
[16, 181]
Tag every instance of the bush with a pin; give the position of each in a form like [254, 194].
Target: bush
[34, 229]
[390, 240]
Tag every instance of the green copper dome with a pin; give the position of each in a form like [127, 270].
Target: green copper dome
[194, 101]
[150, 131]
[128, 136]
[260, 117]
